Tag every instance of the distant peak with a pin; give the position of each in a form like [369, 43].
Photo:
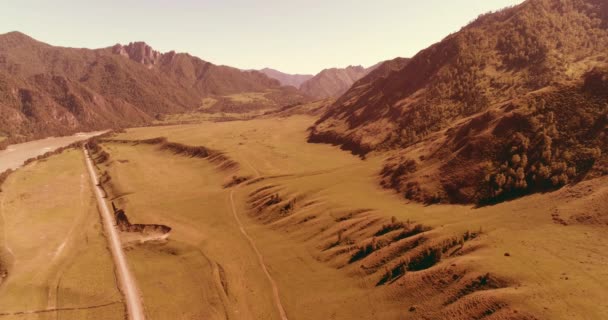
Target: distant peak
[17, 39]
[139, 52]
[16, 35]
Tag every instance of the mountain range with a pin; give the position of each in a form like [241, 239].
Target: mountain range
[329, 83]
[332, 83]
[286, 79]
[47, 90]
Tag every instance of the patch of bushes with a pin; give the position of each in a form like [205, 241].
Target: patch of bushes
[307, 218]
[367, 249]
[213, 156]
[351, 214]
[394, 225]
[424, 260]
[236, 180]
[273, 199]
[341, 239]
[427, 258]
[409, 232]
[288, 207]
[395, 170]
[566, 134]
[482, 282]
[395, 273]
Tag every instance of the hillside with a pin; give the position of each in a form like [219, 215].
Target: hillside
[47, 90]
[512, 102]
[332, 83]
[286, 79]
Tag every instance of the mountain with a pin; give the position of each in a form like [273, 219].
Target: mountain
[511, 104]
[331, 83]
[47, 90]
[286, 79]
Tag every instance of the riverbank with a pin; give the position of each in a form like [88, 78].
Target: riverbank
[14, 155]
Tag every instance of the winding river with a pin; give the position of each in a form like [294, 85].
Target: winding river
[14, 155]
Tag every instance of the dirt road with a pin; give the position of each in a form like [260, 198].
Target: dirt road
[127, 282]
[275, 289]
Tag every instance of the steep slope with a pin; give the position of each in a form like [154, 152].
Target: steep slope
[46, 90]
[524, 68]
[331, 83]
[286, 79]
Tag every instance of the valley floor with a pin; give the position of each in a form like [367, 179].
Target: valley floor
[336, 245]
[546, 269]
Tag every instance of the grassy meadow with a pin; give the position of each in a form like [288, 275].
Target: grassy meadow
[53, 246]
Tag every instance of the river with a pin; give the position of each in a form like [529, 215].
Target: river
[14, 155]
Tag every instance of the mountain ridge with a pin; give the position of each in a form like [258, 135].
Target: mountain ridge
[287, 79]
[333, 82]
[450, 109]
[47, 90]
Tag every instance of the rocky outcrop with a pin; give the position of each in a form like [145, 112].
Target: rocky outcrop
[139, 52]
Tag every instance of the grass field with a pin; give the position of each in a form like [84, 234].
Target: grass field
[184, 276]
[53, 246]
[543, 267]
[197, 117]
[250, 97]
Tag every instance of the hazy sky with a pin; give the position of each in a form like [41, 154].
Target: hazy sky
[288, 35]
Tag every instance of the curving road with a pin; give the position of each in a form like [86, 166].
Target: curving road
[135, 309]
[275, 289]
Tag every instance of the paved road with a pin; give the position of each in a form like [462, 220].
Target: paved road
[128, 286]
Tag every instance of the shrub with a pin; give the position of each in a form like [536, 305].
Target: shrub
[394, 225]
[367, 249]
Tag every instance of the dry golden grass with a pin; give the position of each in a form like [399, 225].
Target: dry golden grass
[250, 97]
[551, 271]
[52, 244]
[204, 241]
[197, 117]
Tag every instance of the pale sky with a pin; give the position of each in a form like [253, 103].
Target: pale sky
[288, 35]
